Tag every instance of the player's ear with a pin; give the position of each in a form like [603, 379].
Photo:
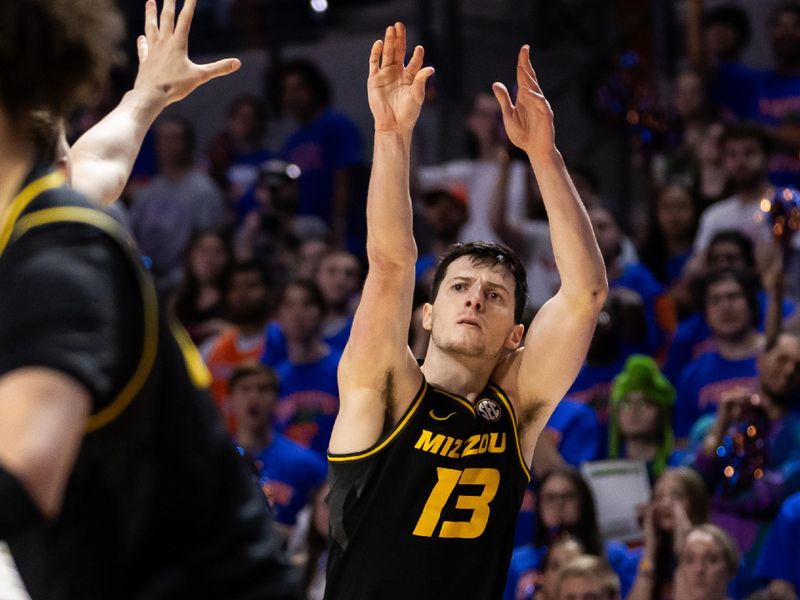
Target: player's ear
[427, 316]
[515, 337]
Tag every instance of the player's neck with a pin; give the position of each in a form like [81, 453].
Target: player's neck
[459, 375]
[16, 159]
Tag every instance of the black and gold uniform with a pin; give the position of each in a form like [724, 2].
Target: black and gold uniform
[429, 511]
[159, 505]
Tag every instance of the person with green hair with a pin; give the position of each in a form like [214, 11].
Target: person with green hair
[640, 420]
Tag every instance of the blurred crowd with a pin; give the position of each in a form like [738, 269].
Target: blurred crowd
[694, 367]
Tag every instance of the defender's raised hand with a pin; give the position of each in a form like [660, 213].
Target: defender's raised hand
[164, 65]
[529, 122]
[396, 91]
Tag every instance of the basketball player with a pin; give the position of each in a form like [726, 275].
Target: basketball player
[117, 479]
[428, 464]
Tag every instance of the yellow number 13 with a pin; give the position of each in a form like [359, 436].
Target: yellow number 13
[479, 505]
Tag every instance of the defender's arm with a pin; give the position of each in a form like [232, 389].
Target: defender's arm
[102, 159]
[377, 372]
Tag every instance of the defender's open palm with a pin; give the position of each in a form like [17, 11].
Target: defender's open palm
[529, 122]
[396, 91]
[164, 65]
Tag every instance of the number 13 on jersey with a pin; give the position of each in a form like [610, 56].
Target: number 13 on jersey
[489, 479]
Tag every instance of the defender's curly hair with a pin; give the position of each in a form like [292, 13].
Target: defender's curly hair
[53, 53]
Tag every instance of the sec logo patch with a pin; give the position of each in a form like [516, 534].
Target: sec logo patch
[488, 409]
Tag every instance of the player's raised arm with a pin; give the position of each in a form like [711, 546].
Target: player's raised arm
[377, 372]
[102, 159]
[555, 346]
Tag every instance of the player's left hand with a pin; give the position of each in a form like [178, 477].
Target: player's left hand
[529, 122]
[164, 66]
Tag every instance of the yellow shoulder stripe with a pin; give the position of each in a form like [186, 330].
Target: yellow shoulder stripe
[104, 222]
[500, 394]
[397, 429]
[27, 194]
[195, 365]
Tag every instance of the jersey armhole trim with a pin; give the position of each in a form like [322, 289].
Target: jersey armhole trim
[381, 444]
[510, 408]
[109, 226]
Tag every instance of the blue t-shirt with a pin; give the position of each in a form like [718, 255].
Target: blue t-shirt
[780, 555]
[275, 350]
[527, 559]
[289, 474]
[592, 386]
[766, 97]
[308, 401]
[330, 143]
[575, 430]
[693, 338]
[702, 384]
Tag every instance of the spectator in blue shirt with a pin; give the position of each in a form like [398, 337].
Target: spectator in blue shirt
[288, 473]
[326, 146]
[779, 562]
[731, 309]
[309, 391]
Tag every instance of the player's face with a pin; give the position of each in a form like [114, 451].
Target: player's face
[638, 416]
[299, 315]
[338, 277]
[668, 492]
[559, 502]
[744, 162]
[727, 311]
[779, 368]
[473, 313]
[702, 573]
[252, 400]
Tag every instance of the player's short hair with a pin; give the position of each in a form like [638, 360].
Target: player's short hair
[250, 369]
[591, 567]
[53, 53]
[490, 254]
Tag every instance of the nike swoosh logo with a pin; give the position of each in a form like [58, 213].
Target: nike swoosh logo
[434, 417]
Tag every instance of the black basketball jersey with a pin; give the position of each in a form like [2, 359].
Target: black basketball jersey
[430, 510]
[159, 505]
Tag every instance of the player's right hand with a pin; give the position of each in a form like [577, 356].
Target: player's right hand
[395, 91]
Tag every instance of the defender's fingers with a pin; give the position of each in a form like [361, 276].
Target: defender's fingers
[415, 64]
[387, 57]
[167, 18]
[375, 57]
[420, 79]
[220, 68]
[400, 43]
[185, 19]
[142, 48]
[150, 20]
[501, 93]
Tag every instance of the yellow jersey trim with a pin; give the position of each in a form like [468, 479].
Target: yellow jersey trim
[397, 429]
[198, 371]
[20, 202]
[510, 409]
[458, 399]
[102, 221]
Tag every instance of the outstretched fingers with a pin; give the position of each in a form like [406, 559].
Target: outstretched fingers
[400, 43]
[185, 20]
[415, 64]
[142, 48]
[526, 76]
[220, 68]
[375, 57]
[150, 21]
[503, 98]
[420, 79]
[387, 58]
[167, 18]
